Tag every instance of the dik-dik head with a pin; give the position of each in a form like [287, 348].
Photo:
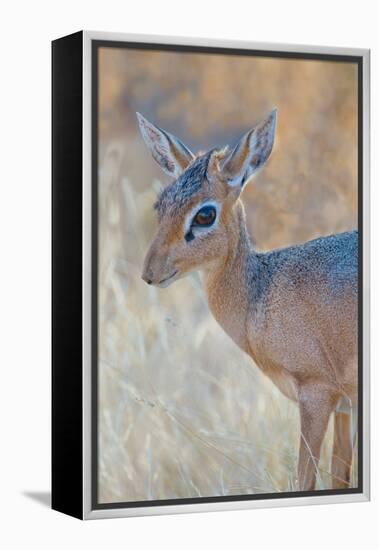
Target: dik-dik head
[197, 210]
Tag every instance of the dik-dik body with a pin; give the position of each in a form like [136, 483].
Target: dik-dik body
[292, 310]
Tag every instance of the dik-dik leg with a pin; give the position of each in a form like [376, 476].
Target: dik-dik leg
[316, 404]
[342, 451]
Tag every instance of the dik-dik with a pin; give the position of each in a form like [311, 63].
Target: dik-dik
[292, 310]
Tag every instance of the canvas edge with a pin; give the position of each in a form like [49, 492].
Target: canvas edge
[88, 512]
[66, 291]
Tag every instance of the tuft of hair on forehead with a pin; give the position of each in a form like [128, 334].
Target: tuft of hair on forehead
[214, 164]
[190, 182]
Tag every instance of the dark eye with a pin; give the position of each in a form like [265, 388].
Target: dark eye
[205, 217]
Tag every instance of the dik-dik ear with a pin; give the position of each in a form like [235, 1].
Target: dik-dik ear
[169, 152]
[250, 153]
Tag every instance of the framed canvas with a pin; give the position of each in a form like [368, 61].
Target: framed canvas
[210, 275]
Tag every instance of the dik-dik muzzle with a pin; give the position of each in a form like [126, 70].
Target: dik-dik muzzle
[158, 269]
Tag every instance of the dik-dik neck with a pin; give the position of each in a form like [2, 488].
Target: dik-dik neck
[226, 281]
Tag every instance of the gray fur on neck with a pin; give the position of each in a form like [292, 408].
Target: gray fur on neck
[330, 263]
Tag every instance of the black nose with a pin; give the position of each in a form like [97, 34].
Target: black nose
[147, 278]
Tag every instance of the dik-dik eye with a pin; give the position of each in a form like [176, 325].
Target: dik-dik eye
[205, 217]
[199, 222]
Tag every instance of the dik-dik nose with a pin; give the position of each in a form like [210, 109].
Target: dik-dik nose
[152, 265]
[148, 277]
[147, 270]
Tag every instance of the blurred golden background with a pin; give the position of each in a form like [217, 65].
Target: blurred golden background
[182, 411]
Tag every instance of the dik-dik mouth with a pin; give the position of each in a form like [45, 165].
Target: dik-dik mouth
[167, 280]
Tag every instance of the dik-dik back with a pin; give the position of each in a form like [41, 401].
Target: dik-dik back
[304, 320]
[294, 310]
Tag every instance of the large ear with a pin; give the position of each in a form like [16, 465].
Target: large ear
[250, 153]
[169, 152]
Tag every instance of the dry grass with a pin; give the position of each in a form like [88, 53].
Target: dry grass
[182, 411]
